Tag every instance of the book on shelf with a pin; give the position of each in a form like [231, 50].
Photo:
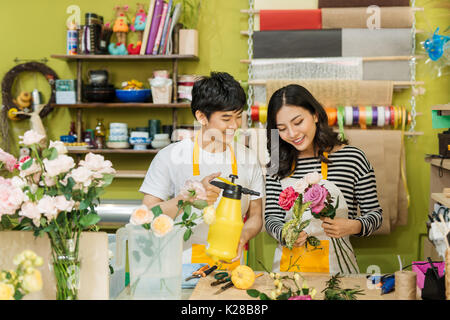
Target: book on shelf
[175, 17]
[154, 27]
[160, 28]
[148, 23]
[166, 25]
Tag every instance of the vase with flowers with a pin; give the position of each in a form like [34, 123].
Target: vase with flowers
[53, 196]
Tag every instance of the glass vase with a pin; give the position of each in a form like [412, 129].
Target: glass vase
[66, 268]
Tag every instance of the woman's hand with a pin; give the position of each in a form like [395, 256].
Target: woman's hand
[340, 227]
[301, 239]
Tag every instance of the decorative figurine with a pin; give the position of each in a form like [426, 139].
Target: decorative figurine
[120, 28]
[138, 26]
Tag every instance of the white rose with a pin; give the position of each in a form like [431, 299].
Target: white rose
[18, 182]
[301, 186]
[96, 162]
[59, 165]
[30, 210]
[59, 146]
[31, 137]
[313, 177]
[49, 181]
[209, 214]
[141, 215]
[47, 206]
[62, 204]
[82, 175]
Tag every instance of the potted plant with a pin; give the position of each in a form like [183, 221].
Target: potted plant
[188, 36]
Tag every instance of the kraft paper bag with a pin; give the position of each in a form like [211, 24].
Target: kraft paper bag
[94, 277]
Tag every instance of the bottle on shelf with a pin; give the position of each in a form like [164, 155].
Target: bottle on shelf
[100, 133]
[73, 131]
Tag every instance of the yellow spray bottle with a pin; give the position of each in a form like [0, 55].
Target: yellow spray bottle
[225, 232]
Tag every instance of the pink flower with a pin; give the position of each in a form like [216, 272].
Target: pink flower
[141, 215]
[47, 206]
[61, 164]
[8, 160]
[59, 146]
[307, 297]
[31, 137]
[162, 225]
[287, 198]
[313, 178]
[97, 164]
[301, 186]
[31, 210]
[62, 204]
[82, 176]
[196, 187]
[11, 198]
[317, 195]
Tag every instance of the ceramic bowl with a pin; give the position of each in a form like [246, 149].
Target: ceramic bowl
[133, 95]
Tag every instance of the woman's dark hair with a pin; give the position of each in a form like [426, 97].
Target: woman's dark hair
[325, 138]
[218, 92]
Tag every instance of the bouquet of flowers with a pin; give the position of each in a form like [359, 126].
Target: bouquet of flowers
[54, 196]
[15, 284]
[309, 193]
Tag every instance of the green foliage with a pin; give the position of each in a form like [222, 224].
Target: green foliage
[190, 13]
[333, 290]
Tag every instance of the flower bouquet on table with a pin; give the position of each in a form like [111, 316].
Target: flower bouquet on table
[25, 279]
[54, 196]
[155, 244]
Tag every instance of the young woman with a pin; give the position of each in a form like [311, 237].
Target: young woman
[307, 144]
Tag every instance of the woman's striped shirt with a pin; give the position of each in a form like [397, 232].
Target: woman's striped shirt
[351, 172]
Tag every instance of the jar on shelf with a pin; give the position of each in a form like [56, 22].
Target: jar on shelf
[100, 134]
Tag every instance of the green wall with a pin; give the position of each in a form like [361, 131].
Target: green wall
[36, 29]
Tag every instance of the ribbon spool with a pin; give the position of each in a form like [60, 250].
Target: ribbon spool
[332, 116]
[406, 285]
[254, 113]
[259, 113]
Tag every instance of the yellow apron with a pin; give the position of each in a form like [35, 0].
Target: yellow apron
[324, 258]
[199, 250]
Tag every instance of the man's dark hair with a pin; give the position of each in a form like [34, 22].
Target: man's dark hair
[218, 92]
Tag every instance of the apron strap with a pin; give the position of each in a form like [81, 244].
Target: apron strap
[324, 167]
[196, 155]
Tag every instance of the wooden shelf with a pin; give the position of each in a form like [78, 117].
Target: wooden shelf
[112, 105]
[147, 151]
[441, 198]
[123, 57]
[140, 174]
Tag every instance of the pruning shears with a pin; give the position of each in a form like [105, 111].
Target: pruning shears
[221, 277]
[202, 272]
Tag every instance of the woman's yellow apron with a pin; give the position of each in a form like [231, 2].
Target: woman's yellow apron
[326, 257]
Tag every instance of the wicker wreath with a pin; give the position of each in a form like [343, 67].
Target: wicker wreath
[8, 81]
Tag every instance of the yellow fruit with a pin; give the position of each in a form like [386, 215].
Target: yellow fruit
[243, 277]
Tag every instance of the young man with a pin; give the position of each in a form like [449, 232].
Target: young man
[217, 104]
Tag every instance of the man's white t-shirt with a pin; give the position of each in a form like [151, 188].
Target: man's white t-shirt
[173, 166]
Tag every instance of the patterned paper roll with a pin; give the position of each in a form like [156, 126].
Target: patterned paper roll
[297, 44]
[390, 17]
[362, 3]
[371, 43]
[290, 19]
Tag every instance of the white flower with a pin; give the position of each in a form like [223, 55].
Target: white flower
[301, 186]
[18, 182]
[82, 176]
[62, 204]
[141, 215]
[61, 164]
[313, 177]
[47, 206]
[30, 210]
[209, 215]
[31, 137]
[97, 164]
[162, 225]
[49, 181]
[34, 168]
[59, 146]
[32, 282]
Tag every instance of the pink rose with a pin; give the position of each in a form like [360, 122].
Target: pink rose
[31, 137]
[31, 210]
[82, 176]
[317, 195]
[141, 215]
[196, 187]
[8, 160]
[61, 164]
[287, 198]
[11, 198]
[307, 297]
[47, 206]
[62, 204]
[97, 164]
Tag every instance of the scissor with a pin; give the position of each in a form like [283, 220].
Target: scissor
[202, 272]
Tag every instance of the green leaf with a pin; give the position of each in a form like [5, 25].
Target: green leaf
[146, 226]
[264, 296]
[84, 204]
[18, 295]
[200, 204]
[107, 179]
[39, 193]
[284, 296]
[187, 234]
[304, 224]
[253, 293]
[89, 220]
[157, 211]
[188, 209]
[27, 164]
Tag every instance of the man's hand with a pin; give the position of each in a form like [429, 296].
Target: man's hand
[212, 192]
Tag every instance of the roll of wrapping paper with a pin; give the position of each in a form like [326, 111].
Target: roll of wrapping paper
[390, 17]
[297, 44]
[362, 117]
[379, 42]
[285, 4]
[290, 19]
[405, 285]
[362, 3]
[332, 116]
[396, 70]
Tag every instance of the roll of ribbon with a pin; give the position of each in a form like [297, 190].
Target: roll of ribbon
[263, 113]
[374, 116]
[409, 118]
[381, 116]
[355, 115]
[348, 116]
[368, 115]
[405, 285]
[387, 116]
[255, 113]
[332, 116]
[392, 112]
[340, 119]
[362, 117]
